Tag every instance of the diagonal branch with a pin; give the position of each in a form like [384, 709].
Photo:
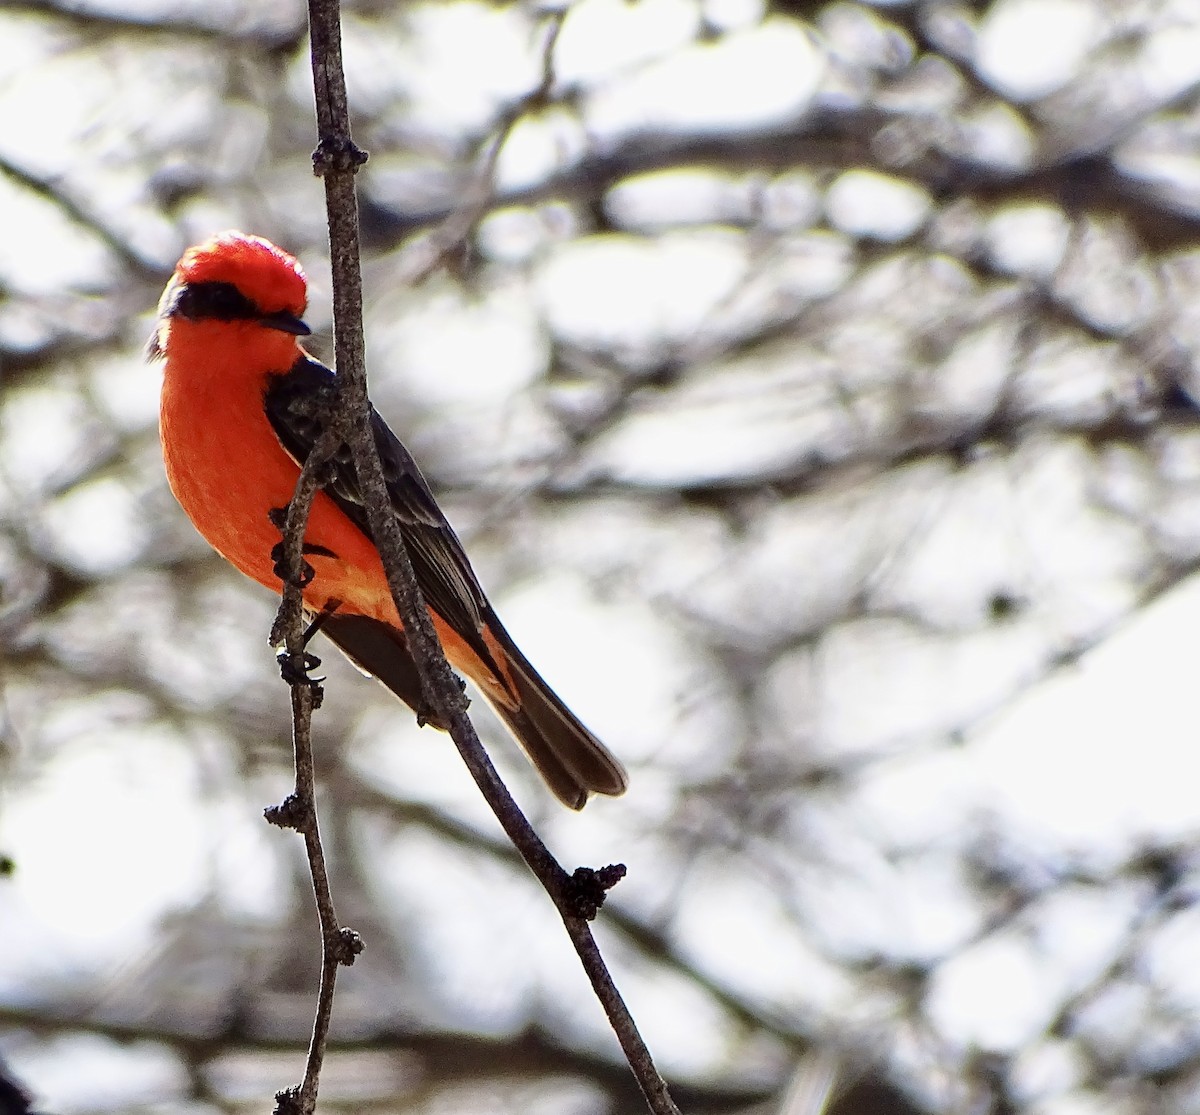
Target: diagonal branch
[577, 897]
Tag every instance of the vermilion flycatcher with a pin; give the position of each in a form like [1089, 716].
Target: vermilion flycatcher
[235, 431]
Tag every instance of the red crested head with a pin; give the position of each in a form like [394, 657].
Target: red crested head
[233, 286]
[271, 278]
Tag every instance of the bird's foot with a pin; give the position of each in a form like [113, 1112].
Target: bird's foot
[294, 669]
[282, 568]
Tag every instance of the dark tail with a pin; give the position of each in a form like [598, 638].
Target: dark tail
[571, 761]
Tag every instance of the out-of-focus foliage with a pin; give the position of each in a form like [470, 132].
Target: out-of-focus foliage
[813, 384]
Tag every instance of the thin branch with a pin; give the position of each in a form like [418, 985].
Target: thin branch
[54, 190]
[339, 945]
[652, 942]
[424, 255]
[93, 21]
[577, 897]
[828, 139]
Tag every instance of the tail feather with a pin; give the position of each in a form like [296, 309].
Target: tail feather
[571, 760]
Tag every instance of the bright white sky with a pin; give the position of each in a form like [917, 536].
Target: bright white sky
[1103, 755]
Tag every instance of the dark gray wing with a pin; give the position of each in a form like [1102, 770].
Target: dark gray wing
[294, 403]
[571, 759]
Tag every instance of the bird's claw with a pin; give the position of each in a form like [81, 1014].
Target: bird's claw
[294, 669]
[281, 567]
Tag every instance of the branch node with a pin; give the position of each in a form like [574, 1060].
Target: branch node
[281, 566]
[287, 1101]
[345, 944]
[584, 893]
[428, 712]
[294, 669]
[291, 813]
[337, 153]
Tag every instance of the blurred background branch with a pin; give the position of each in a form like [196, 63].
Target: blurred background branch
[815, 390]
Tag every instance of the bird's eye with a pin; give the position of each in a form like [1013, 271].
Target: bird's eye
[222, 301]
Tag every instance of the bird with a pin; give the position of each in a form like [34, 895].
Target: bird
[237, 421]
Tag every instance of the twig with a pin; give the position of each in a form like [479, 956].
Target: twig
[426, 254]
[577, 897]
[55, 190]
[339, 945]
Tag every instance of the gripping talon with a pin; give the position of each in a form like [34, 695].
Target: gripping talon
[295, 674]
[279, 566]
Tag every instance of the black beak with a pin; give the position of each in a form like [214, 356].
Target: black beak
[285, 323]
